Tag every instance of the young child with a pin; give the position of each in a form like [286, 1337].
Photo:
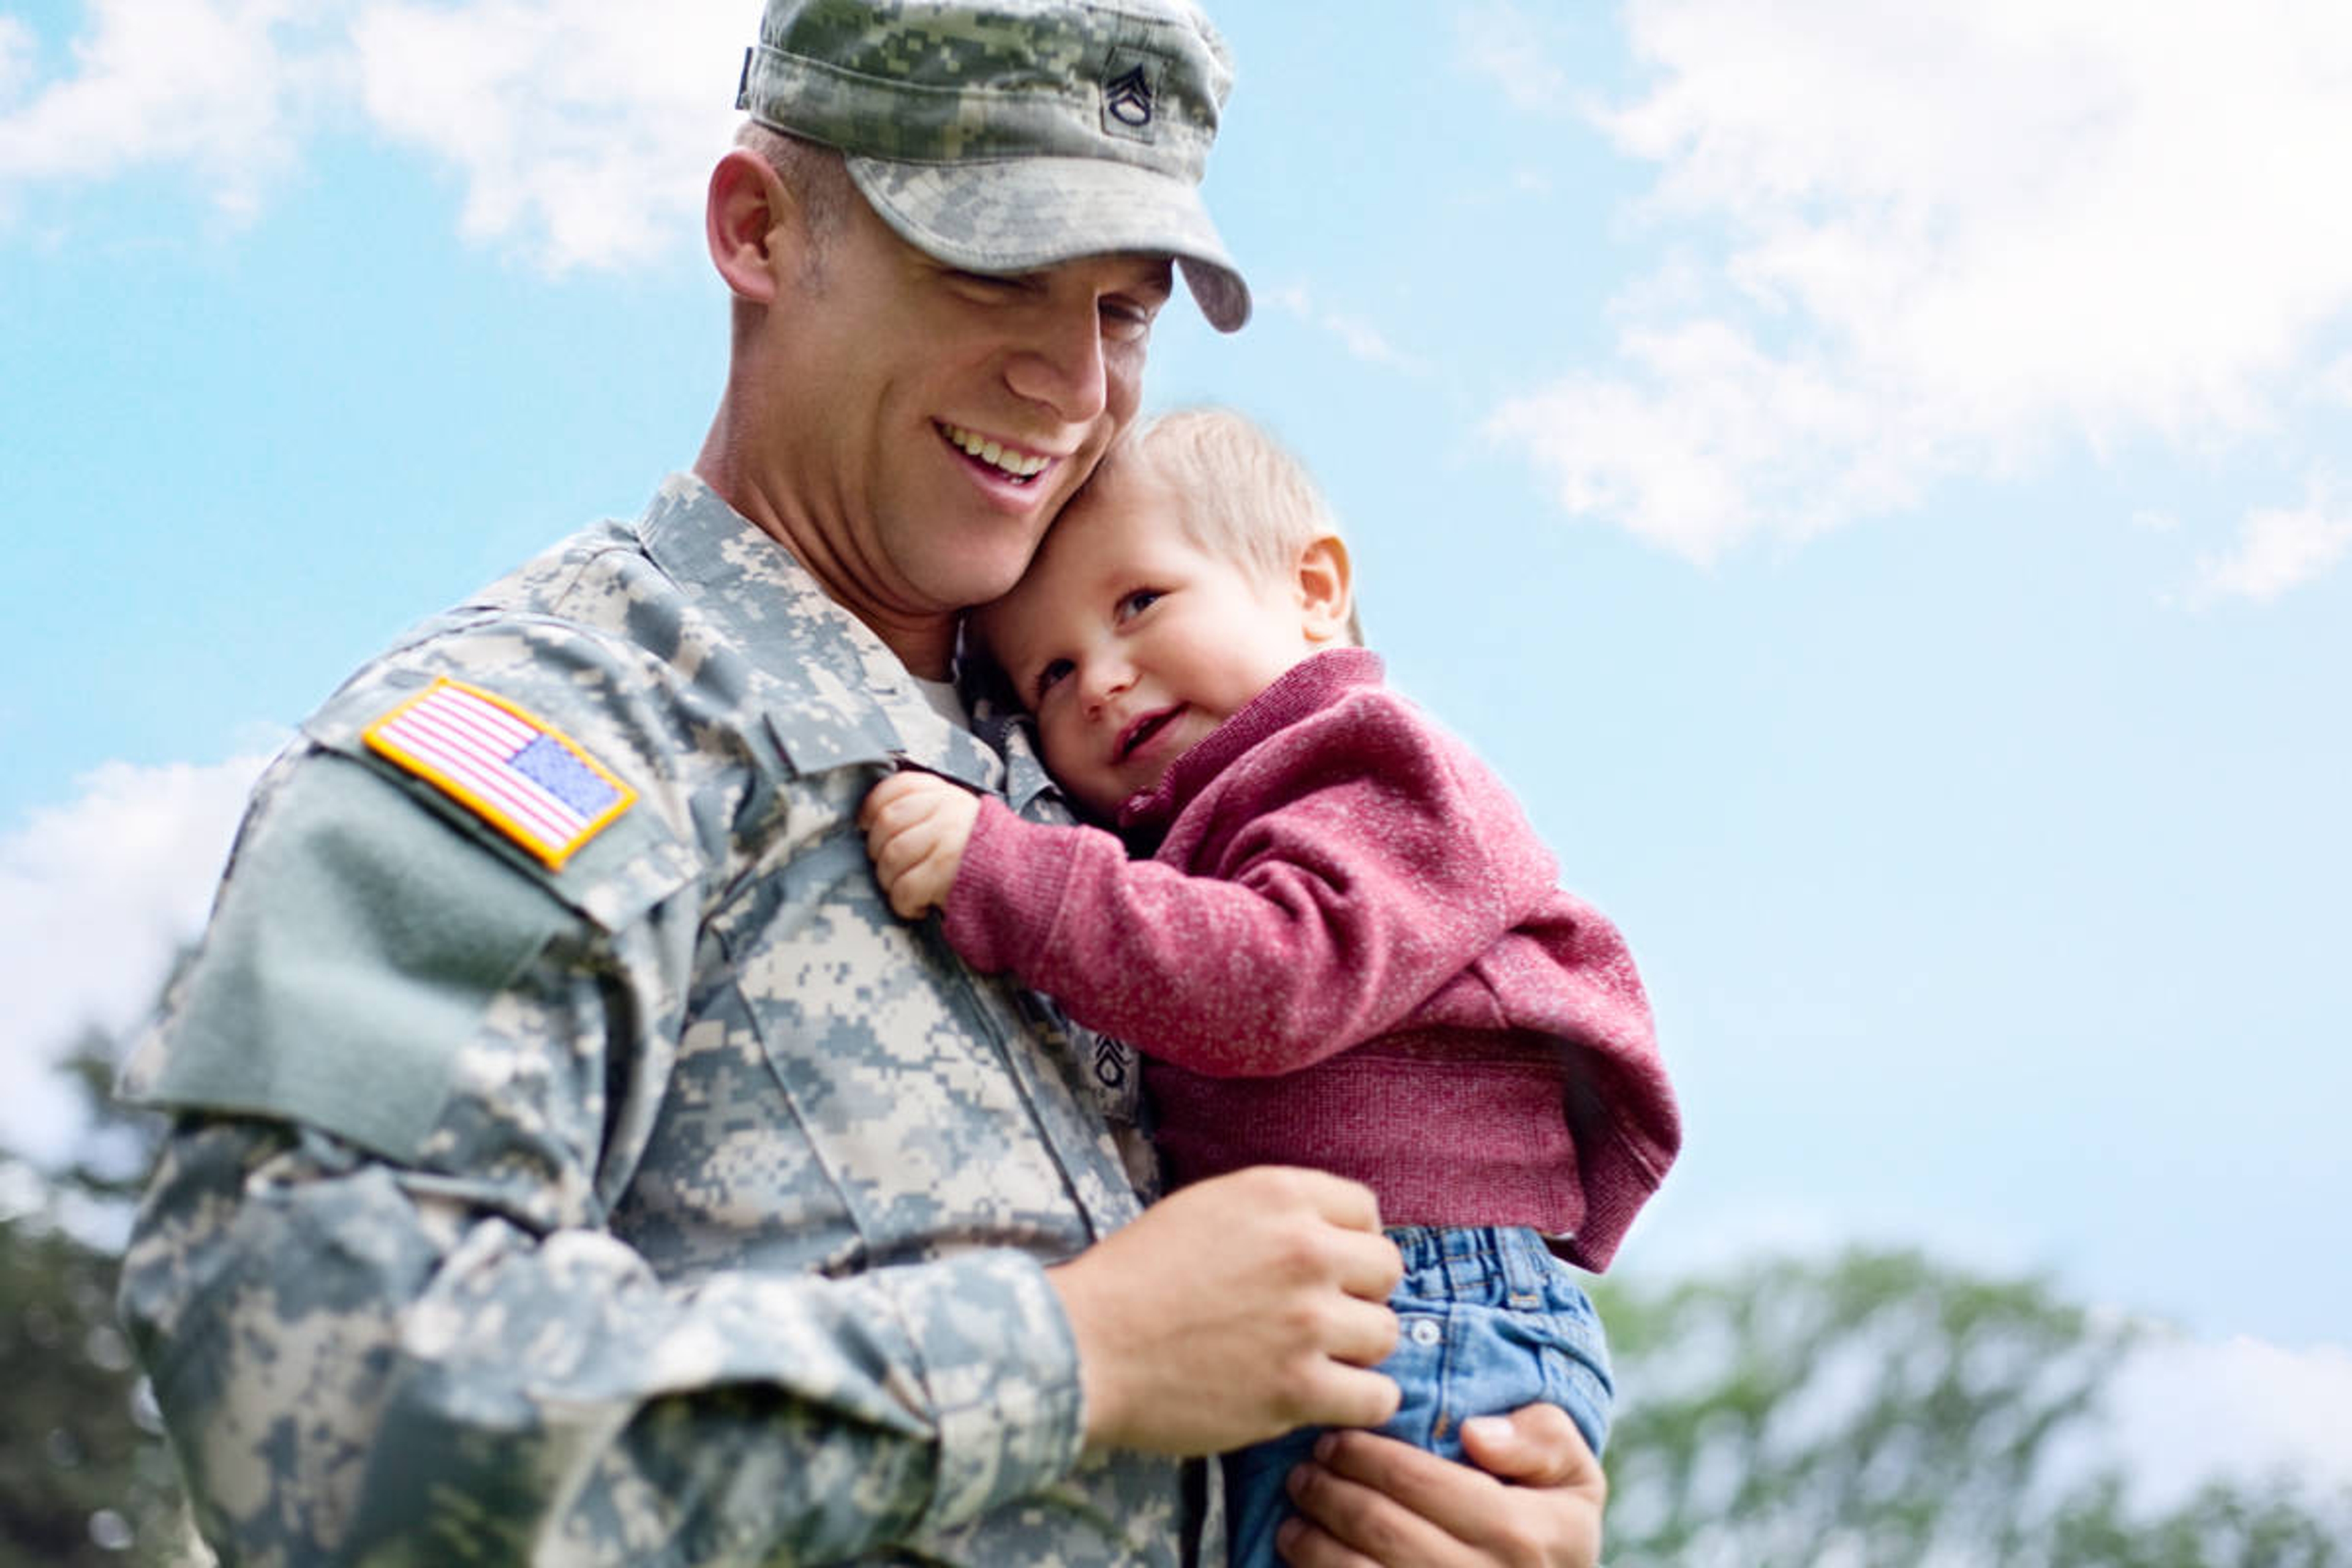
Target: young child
[1345, 948]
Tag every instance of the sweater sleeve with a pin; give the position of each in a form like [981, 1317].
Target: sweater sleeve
[1334, 876]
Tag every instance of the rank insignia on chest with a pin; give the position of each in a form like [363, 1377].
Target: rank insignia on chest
[522, 776]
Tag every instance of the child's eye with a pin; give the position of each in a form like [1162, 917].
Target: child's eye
[1051, 676]
[1143, 599]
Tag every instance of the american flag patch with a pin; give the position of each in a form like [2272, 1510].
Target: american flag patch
[522, 776]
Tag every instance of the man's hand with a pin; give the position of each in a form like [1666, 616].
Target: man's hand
[1237, 1308]
[917, 824]
[1367, 1500]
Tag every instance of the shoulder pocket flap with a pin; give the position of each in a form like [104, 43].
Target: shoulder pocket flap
[354, 950]
[613, 873]
[815, 739]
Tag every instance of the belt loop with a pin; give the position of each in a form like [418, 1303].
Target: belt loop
[1522, 1270]
[1421, 1248]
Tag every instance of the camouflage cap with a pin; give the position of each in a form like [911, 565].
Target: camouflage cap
[1002, 135]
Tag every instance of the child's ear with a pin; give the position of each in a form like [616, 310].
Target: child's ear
[1326, 591]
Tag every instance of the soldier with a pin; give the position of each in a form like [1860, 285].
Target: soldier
[574, 1159]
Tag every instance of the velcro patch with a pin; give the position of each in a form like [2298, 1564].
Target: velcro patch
[521, 775]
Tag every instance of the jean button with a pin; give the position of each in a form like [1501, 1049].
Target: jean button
[1426, 1331]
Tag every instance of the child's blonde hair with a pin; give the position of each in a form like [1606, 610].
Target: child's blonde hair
[1240, 495]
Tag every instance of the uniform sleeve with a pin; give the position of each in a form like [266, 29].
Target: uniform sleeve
[1352, 879]
[391, 1325]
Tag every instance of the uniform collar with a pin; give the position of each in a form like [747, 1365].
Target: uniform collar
[847, 696]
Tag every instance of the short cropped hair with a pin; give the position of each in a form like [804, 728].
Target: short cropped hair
[1240, 495]
[813, 173]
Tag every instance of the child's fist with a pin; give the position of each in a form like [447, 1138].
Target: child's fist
[917, 824]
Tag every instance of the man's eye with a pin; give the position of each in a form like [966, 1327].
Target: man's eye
[1051, 676]
[1123, 323]
[986, 285]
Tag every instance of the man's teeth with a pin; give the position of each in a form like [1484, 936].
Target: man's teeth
[996, 456]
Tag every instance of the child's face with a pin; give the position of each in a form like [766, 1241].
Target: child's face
[1130, 643]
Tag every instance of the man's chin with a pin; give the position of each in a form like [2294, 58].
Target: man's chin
[978, 583]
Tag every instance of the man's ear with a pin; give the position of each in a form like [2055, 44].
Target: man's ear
[750, 217]
[1326, 591]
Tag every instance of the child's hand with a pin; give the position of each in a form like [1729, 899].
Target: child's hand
[917, 824]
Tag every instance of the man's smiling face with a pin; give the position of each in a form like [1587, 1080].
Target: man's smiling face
[942, 417]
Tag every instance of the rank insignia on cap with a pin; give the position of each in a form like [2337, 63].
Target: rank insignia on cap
[1129, 90]
[522, 776]
[1127, 98]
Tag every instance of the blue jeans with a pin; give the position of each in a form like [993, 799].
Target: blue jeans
[1490, 1320]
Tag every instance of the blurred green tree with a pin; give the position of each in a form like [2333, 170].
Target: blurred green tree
[85, 1478]
[1879, 1410]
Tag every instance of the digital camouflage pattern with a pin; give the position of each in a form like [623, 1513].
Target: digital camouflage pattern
[682, 1206]
[1014, 135]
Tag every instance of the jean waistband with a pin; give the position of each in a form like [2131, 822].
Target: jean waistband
[1457, 1259]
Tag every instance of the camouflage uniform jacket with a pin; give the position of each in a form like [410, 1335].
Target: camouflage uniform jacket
[676, 1206]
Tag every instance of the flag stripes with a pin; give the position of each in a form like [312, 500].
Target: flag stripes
[524, 777]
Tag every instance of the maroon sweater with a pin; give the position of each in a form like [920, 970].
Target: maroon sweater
[1347, 952]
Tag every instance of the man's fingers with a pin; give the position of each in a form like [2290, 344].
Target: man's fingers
[1361, 1260]
[1377, 1496]
[1303, 1545]
[1237, 1308]
[1369, 1269]
[1345, 1522]
[1340, 1394]
[1336, 1198]
[1363, 1333]
[1537, 1446]
[1450, 1499]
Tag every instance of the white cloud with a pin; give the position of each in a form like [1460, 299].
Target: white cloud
[1362, 340]
[2334, 384]
[2279, 548]
[1953, 235]
[588, 126]
[1504, 44]
[1678, 1233]
[580, 128]
[95, 896]
[216, 88]
[2185, 1412]
[17, 44]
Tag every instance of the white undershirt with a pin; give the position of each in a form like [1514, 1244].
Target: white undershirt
[944, 700]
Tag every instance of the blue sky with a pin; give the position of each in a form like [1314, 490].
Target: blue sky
[1879, 486]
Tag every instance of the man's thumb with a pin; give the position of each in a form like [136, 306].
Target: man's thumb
[1537, 1446]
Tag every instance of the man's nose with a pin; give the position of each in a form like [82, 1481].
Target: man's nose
[1061, 363]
